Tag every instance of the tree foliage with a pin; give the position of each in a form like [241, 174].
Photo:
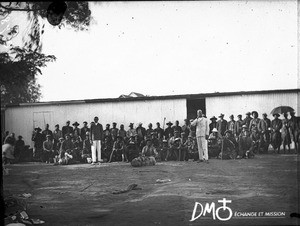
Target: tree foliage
[18, 72]
[20, 66]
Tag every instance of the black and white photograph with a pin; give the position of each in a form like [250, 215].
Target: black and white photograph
[150, 113]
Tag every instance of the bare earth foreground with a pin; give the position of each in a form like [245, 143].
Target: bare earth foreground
[82, 194]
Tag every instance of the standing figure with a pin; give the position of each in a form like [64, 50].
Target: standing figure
[169, 132]
[46, 132]
[96, 136]
[276, 126]
[265, 133]
[141, 133]
[186, 128]
[38, 140]
[131, 132]
[19, 148]
[255, 121]
[67, 129]
[114, 131]
[230, 124]
[247, 120]
[176, 127]
[202, 134]
[159, 130]
[221, 125]
[294, 130]
[238, 127]
[86, 149]
[83, 130]
[149, 130]
[76, 130]
[213, 124]
[285, 133]
[57, 133]
[107, 133]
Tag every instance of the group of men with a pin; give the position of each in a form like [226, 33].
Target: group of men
[197, 139]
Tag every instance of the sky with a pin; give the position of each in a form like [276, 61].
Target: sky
[170, 48]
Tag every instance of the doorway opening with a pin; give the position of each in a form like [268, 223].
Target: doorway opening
[193, 105]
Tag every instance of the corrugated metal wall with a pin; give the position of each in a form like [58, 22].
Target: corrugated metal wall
[21, 120]
[240, 104]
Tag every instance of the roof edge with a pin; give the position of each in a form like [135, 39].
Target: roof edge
[145, 98]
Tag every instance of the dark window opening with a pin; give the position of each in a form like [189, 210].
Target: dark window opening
[193, 105]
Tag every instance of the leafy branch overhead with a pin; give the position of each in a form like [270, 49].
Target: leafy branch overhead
[18, 75]
[77, 16]
[19, 66]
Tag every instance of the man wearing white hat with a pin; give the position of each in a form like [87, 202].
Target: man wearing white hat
[202, 134]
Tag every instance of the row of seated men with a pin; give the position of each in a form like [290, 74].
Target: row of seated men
[178, 147]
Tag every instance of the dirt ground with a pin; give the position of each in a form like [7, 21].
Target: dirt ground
[82, 194]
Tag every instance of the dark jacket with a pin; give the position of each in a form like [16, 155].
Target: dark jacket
[96, 132]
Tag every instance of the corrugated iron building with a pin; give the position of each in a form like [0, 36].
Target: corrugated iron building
[23, 118]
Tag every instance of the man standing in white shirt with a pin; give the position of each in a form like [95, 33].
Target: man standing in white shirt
[202, 133]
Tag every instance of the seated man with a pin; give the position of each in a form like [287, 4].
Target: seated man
[255, 137]
[86, 150]
[162, 150]
[184, 148]
[245, 143]
[214, 144]
[132, 150]
[77, 148]
[107, 148]
[48, 152]
[228, 148]
[149, 150]
[118, 152]
[192, 148]
[66, 151]
[174, 147]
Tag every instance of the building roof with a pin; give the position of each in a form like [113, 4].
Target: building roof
[145, 98]
[132, 94]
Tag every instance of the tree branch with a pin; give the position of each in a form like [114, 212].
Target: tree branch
[18, 9]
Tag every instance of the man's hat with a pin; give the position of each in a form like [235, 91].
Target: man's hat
[248, 113]
[239, 116]
[61, 138]
[75, 124]
[130, 124]
[140, 123]
[85, 122]
[177, 139]
[244, 126]
[276, 114]
[157, 123]
[169, 123]
[38, 129]
[213, 118]
[183, 133]
[20, 137]
[214, 130]
[114, 123]
[265, 114]
[254, 112]
[165, 141]
[221, 115]
[56, 125]
[48, 135]
[150, 124]
[231, 116]
[68, 121]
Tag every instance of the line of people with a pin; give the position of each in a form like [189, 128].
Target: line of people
[227, 139]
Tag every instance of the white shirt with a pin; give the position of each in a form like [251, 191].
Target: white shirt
[202, 127]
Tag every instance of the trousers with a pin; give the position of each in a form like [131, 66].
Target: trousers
[96, 150]
[202, 148]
